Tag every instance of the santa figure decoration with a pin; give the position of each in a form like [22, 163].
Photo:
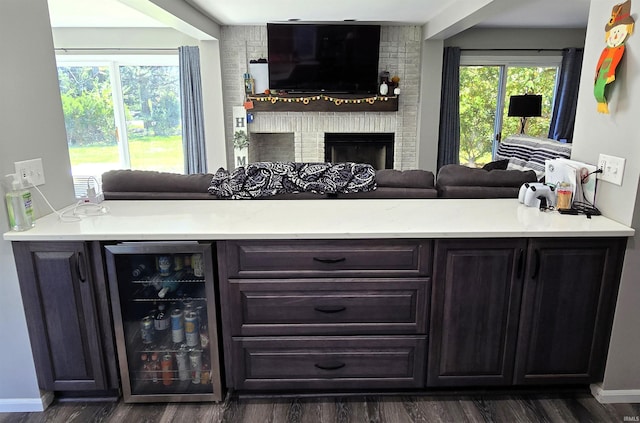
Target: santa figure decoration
[617, 30]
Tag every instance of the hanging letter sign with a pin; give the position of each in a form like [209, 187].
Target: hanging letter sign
[240, 137]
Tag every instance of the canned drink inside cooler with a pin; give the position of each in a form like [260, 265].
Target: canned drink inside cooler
[195, 359]
[206, 374]
[146, 330]
[197, 265]
[182, 361]
[164, 265]
[178, 263]
[191, 329]
[154, 366]
[177, 326]
[167, 369]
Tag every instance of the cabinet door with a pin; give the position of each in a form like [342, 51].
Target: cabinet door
[475, 307]
[59, 298]
[567, 310]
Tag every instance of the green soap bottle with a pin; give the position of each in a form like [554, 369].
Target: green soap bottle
[19, 206]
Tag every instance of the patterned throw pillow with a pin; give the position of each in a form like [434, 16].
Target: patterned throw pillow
[264, 179]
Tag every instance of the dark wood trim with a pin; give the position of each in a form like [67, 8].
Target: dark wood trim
[323, 103]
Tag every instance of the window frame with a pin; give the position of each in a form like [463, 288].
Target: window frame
[113, 63]
[504, 61]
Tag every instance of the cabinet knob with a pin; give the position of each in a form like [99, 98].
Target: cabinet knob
[330, 309]
[330, 365]
[329, 260]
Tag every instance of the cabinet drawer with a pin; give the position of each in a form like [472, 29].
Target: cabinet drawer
[312, 363]
[328, 306]
[317, 258]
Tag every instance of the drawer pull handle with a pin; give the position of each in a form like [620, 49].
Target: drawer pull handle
[80, 267]
[331, 365]
[329, 260]
[536, 266]
[330, 309]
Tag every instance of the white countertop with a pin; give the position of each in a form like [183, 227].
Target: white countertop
[316, 219]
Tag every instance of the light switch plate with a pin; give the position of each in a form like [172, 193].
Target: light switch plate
[31, 169]
[612, 168]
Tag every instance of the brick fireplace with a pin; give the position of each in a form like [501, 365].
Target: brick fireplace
[301, 135]
[372, 148]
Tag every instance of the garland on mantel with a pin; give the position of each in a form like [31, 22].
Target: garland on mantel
[335, 100]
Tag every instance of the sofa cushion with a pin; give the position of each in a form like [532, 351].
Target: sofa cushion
[415, 178]
[126, 180]
[457, 181]
[477, 192]
[498, 164]
[458, 175]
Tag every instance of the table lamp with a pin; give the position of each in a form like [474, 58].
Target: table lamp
[524, 106]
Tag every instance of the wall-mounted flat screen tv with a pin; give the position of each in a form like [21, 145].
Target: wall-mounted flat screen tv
[323, 57]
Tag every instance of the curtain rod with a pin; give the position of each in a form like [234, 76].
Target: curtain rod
[512, 49]
[114, 49]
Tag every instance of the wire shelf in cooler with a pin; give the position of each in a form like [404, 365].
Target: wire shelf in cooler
[151, 300]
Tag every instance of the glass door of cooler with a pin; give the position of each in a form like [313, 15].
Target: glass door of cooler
[164, 315]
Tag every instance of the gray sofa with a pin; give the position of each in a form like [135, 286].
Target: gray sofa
[456, 181]
[151, 185]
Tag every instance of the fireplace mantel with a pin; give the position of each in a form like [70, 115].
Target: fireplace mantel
[323, 103]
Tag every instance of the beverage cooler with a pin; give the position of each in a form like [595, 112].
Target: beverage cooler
[164, 313]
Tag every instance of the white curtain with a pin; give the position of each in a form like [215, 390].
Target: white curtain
[192, 115]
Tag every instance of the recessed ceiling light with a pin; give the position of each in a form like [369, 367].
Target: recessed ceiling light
[293, 19]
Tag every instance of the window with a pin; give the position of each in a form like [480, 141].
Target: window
[121, 113]
[486, 83]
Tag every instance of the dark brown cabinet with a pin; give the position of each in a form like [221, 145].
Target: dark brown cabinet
[325, 314]
[567, 310]
[66, 305]
[501, 316]
[474, 320]
[321, 315]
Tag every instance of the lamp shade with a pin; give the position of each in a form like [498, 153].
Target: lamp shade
[525, 105]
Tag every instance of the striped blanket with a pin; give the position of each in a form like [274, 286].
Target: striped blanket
[529, 153]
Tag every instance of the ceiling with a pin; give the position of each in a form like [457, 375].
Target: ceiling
[113, 13]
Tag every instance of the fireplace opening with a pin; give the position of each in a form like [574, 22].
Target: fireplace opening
[375, 149]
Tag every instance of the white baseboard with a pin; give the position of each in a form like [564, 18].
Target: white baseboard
[615, 396]
[26, 405]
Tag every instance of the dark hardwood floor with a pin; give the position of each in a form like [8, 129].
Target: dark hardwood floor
[563, 407]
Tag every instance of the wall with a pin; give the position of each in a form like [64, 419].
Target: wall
[400, 49]
[517, 38]
[32, 126]
[112, 39]
[429, 108]
[616, 134]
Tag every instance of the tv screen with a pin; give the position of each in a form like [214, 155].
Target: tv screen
[323, 58]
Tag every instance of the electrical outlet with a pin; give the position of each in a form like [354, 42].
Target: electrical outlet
[612, 168]
[30, 170]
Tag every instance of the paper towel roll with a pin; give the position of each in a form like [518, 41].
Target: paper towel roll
[260, 73]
